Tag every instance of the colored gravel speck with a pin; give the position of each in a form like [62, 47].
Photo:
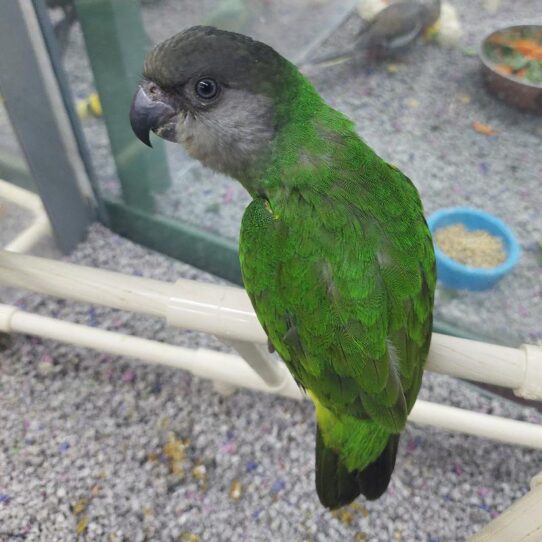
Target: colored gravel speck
[278, 486]
[251, 466]
[458, 469]
[128, 376]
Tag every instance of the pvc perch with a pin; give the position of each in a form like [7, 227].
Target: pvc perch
[226, 368]
[520, 522]
[229, 371]
[227, 312]
[40, 226]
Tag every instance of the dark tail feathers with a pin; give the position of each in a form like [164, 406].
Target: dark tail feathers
[337, 487]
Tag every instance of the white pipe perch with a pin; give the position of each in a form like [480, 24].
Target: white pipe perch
[226, 368]
[232, 371]
[40, 226]
[227, 312]
[31, 236]
[20, 196]
[519, 523]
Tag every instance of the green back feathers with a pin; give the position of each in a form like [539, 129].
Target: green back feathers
[338, 261]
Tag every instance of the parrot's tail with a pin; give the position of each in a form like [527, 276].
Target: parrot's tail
[374, 478]
[337, 486]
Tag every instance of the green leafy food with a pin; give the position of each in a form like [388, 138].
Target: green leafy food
[534, 71]
[515, 60]
[517, 53]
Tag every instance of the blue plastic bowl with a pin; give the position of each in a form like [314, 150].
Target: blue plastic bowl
[456, 275]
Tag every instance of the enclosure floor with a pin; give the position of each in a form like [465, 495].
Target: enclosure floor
[84, 445]
[84, 437]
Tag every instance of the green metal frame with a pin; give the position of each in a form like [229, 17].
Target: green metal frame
[46, 135]
[116, 45]
[13, 168]
[176, 239]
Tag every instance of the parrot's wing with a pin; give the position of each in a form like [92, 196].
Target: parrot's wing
[342, 301]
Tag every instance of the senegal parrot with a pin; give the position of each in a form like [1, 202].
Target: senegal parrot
[335, 252]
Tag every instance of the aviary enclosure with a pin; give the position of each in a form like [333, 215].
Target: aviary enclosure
[103, 438]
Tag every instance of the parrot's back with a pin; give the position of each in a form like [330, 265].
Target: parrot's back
[340, 268]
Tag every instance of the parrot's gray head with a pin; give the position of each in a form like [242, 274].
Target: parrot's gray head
[215, 93]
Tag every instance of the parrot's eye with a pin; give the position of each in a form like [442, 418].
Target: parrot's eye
[206, 88]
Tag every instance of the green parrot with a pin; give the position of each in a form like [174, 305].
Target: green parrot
[335, 252]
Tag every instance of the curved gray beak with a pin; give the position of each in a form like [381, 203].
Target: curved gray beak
[147, 115]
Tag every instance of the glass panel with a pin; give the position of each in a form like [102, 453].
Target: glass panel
[13, 167]
[146, 201]
[208, 200]
[14, 170]
[107, 135]
[426, 110]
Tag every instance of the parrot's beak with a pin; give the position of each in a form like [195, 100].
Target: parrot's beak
[147, 114]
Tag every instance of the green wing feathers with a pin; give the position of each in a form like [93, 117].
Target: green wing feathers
[342, 277]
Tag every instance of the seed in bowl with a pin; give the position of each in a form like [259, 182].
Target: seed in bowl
[476, 248]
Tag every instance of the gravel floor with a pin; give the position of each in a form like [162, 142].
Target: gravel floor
[119, 451]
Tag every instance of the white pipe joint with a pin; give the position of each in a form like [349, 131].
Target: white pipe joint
[531, 388]
[271, 371]
[195, 305]
[6, 314]
[536, 481]
[40, 226]
[21, 197]
[28, 238]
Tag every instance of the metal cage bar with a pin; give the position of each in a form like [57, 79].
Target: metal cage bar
[36, 108]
